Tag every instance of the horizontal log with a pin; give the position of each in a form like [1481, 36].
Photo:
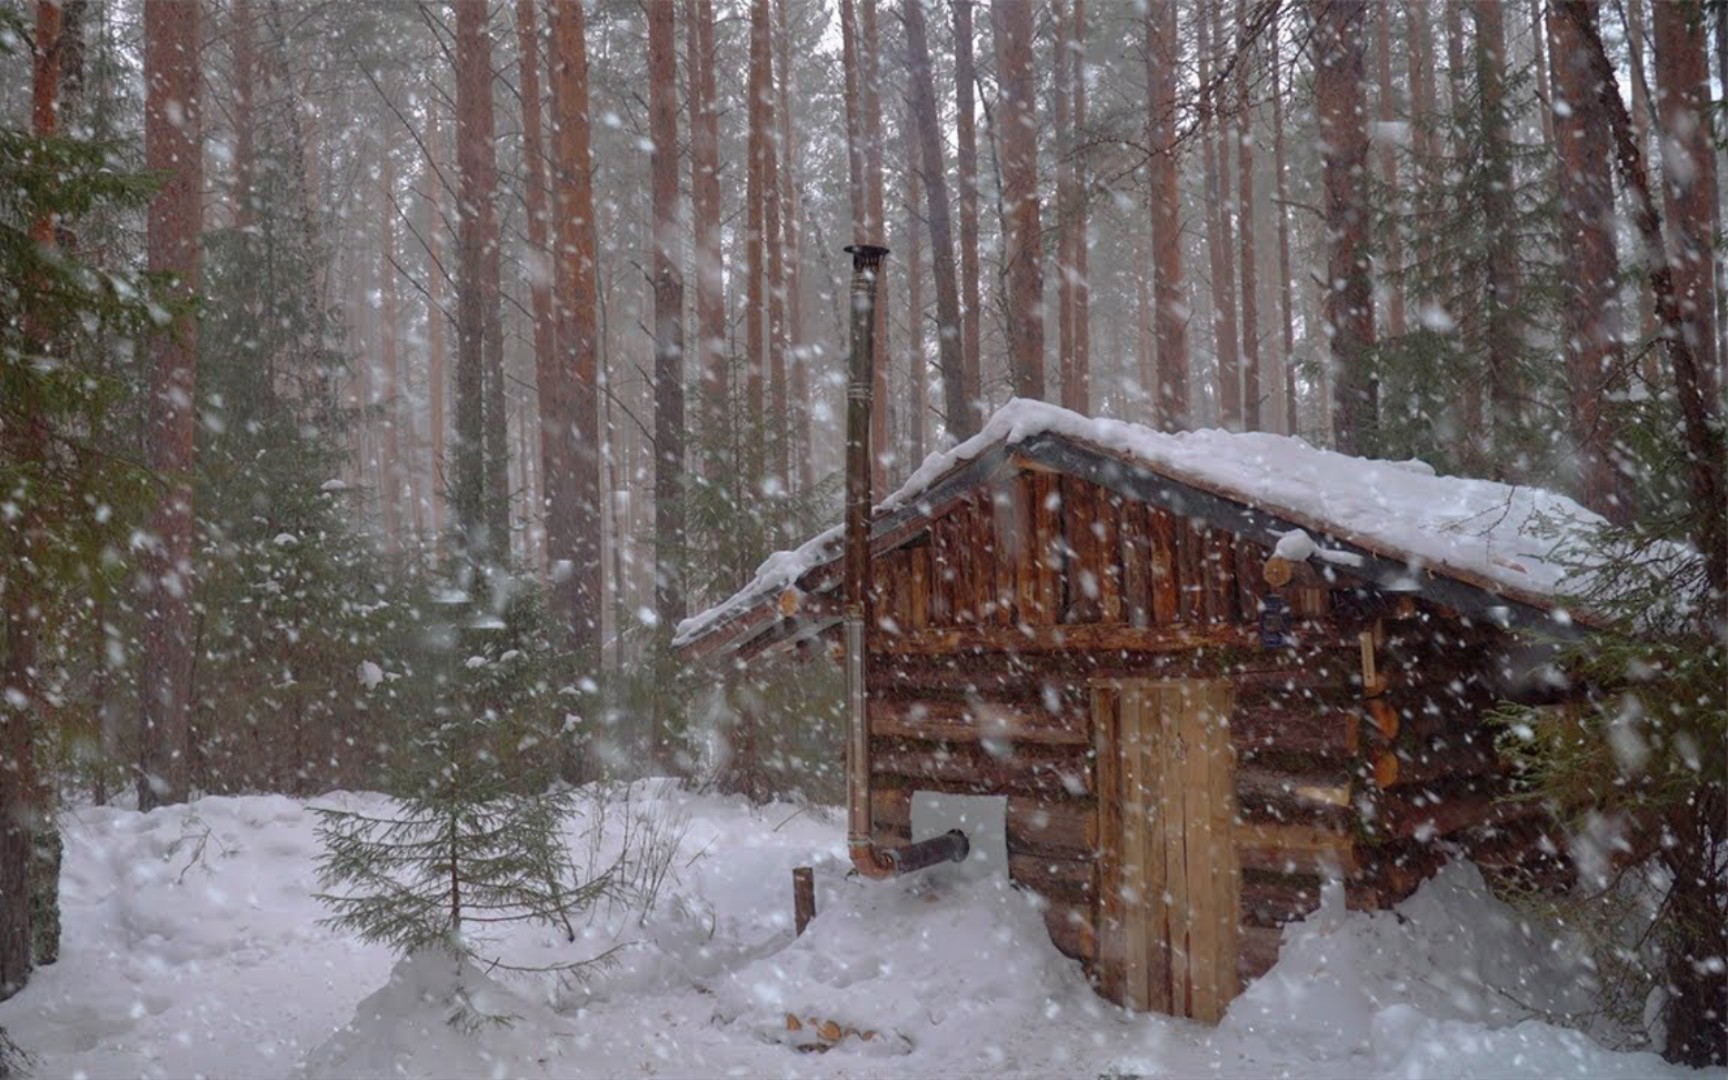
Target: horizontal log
[1294, 849]
[1438, 759]
[1268, 787]
[1318, 731]
[1072, 930]
[1051, 826]
[969, 770]
[1257, 949]
[1068, 638]
[1055, 879]
[975, 721]
[1399, 818]
[1273, 900]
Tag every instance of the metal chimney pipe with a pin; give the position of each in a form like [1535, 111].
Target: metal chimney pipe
[867, 858]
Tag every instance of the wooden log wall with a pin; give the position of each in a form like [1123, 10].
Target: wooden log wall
[992, 625]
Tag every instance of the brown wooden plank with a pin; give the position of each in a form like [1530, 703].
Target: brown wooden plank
[1111, 902]
[1172, 812]
[941, 575]
[1258, 951]
[1004, 556]
[1224, 864]
[977, 721]
[1106, 551]
[968, 769]
[1190, 608]
[1204, 899]
[1166, 583]
[1047, 496]
[1074, 639]
[1050, 826]
[919, 588]
[1135, 544]
[891, 806]
[1070, 879]
[1295, 849]
[1025, 548]
[1078, 589]
[1072, 929]
[1250, 585]
[1138, 879]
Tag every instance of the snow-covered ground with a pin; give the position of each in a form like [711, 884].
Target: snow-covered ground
[192, 948]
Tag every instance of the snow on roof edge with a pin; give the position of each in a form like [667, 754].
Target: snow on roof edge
[1505, 534]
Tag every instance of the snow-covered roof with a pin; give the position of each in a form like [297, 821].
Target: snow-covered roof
[1498, 537]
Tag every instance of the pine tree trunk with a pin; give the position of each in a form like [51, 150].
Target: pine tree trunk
[1170, 299]
[245, 113]
[172, 38]
[705, 213]
[1591, 312]
[791, 206]
[918, 384]
[1079, 254]
[1633, 14]
[1344, 141]
[966, 161]
[1286, 299]
[669, 558]
[755, 239]
[390, 494]
[1023, 242]
[1219, 244]
[1688, 172]
[437, 361]
[539, 255]
[1251, 419]
[1424, 114]
[962, 417]
[875, 197]
[1700, 412]
[1502, 332]
[1061, 93]
[475, 190]
[22, 445]
[773, 235]
[573, 519]
[1386, 106]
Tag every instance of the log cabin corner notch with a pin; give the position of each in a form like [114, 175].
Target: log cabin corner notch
[1069, 612]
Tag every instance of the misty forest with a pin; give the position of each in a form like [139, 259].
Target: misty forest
[863, 537]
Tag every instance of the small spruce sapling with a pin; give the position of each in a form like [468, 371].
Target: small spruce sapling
[474, 840]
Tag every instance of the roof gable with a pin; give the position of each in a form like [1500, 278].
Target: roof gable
[1479, 547]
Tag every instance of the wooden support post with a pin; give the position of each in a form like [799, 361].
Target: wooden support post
[803, 897]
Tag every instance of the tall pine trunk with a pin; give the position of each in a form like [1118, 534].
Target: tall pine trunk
[705, 220]
[669, 560]
[1169, 295]
[1022, 246]
[539, 254]
[962, 418]
[1245, 53]
[572, 415]
[1688, 171]
[1286, 297]
[172, 37]
[1219, 243]
[1592, 313]
[966, 161]
[1344, 150]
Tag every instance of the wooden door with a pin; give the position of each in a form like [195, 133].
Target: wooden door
[1170, 884]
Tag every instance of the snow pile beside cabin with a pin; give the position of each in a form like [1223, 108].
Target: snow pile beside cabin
[1502, 534]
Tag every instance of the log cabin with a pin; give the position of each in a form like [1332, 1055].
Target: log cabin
[1208, 672]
